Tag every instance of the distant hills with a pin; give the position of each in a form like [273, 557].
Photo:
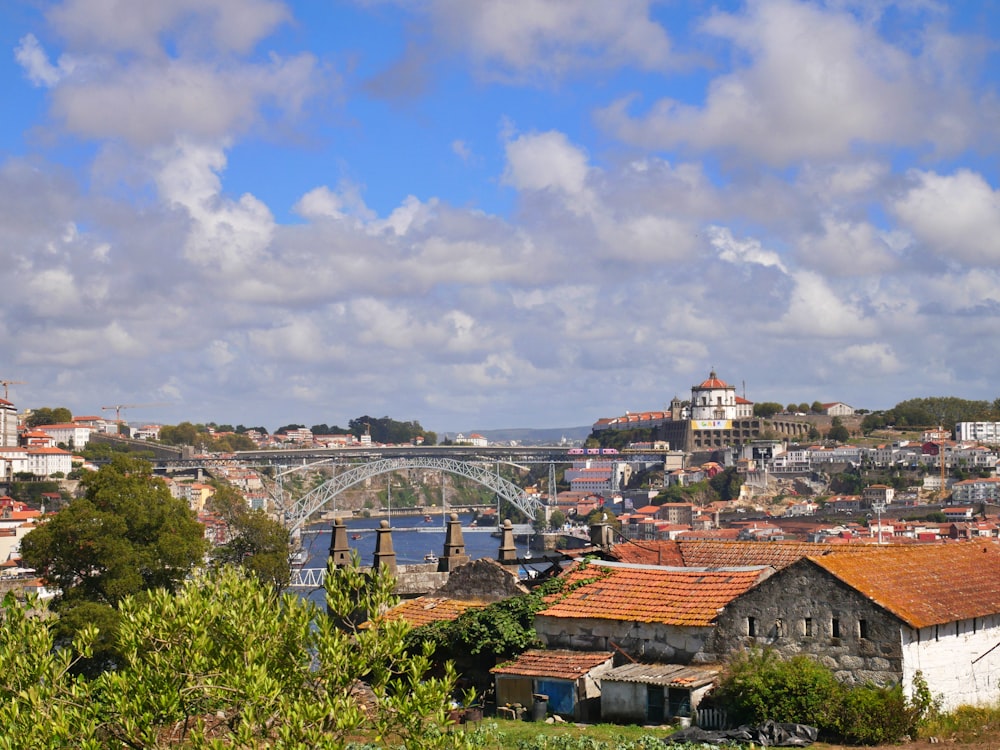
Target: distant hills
[529, 436]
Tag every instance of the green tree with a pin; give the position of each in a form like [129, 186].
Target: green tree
[228, 662]
[557, 519]
[127, 534]
[727, 484]
[816, 407]
[256, 542]
[766, 409]
[48, 415]
[838, 431]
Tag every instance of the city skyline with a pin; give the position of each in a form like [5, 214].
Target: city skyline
[481, 215]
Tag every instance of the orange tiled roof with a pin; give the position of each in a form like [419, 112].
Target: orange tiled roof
[719, 553]
[558, 664]
[427, 609]
[671, 596]
[922, 585]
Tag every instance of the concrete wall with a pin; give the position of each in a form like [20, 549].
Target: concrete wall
[642, 641]
[959, 661]
[782, 608]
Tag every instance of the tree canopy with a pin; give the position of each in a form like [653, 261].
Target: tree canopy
[48, 415]
[257, 543]
[386, 430]
[126, 535]
[227, 662]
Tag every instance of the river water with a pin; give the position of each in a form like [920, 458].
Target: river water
[412, 538]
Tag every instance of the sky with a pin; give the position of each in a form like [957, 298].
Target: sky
[481, 214]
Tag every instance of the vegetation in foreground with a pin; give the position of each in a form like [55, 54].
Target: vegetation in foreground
[227, 662]
[760, 686]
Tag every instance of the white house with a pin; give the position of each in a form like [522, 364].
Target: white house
[981, 432]
[883, 614]
[69, 434]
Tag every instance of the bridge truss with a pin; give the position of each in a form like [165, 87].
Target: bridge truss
[298, 512]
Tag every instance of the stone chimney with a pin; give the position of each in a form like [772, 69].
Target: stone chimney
[508, 552]
[454, 547]
[340, 553]
[601, 533]
[385, 555]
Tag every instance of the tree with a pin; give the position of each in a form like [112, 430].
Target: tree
[816, 407]
[228, 662]
[47, 415]
[557, 519]
[256, 542]
[838, 431]
[766, 409]
[127, 534]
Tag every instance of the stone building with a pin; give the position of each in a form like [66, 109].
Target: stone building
[654, 614]
[882, 617]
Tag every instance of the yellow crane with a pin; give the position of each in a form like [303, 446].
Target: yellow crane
[6, 383]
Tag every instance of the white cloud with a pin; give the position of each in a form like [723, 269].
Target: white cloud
[30, 56]
[849, 249]
[841, 85]
[873, 360]
[229, 25]
[546, 161]
[152, 103]
[957, 217]
[743, 251]
[519, 40]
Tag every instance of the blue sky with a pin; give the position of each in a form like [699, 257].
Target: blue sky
[495, 213]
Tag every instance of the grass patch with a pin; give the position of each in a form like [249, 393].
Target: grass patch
[526, 735]
[964, 724]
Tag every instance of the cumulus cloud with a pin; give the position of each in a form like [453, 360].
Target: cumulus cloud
[956, 217]
[530, 40]
[40, 71]
[229, 25]
[841, 85]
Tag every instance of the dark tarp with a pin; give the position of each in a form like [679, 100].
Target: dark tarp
[768, 734]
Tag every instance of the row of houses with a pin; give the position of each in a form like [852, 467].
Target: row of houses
[641, 635]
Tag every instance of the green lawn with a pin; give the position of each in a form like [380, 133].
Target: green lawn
[504, 733]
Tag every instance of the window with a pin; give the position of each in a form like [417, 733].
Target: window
[863, 628]
[809, 626]
[752, 627]
[835, 628]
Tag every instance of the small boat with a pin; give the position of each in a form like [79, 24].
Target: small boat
[355, 536]
[430, 557]
[300, 557]
[428, 519]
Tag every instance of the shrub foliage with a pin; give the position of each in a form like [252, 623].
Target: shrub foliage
[760, 686]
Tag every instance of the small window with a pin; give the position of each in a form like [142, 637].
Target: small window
[863, 628]
[809, 626]
[752, 627]
[835, 628]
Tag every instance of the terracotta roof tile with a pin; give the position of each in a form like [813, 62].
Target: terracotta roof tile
[928, 584]
[427, 609]
[671, 596]
[719, 553]
[558, 663]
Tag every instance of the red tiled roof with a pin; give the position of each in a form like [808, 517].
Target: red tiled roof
[558, 664]
[665, 595]
[427, 609]
[928, 584]
[713, 382]
[718, 553]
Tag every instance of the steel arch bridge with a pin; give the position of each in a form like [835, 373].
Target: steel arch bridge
[300, 511]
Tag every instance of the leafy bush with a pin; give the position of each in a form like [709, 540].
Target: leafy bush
[760, 686]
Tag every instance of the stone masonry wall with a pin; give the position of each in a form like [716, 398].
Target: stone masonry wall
[803, 610]
[642, 641]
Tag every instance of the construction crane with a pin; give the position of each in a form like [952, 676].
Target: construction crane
[6, 383]
[117, 408]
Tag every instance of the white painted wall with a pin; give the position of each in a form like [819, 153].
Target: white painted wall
[960, 668]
